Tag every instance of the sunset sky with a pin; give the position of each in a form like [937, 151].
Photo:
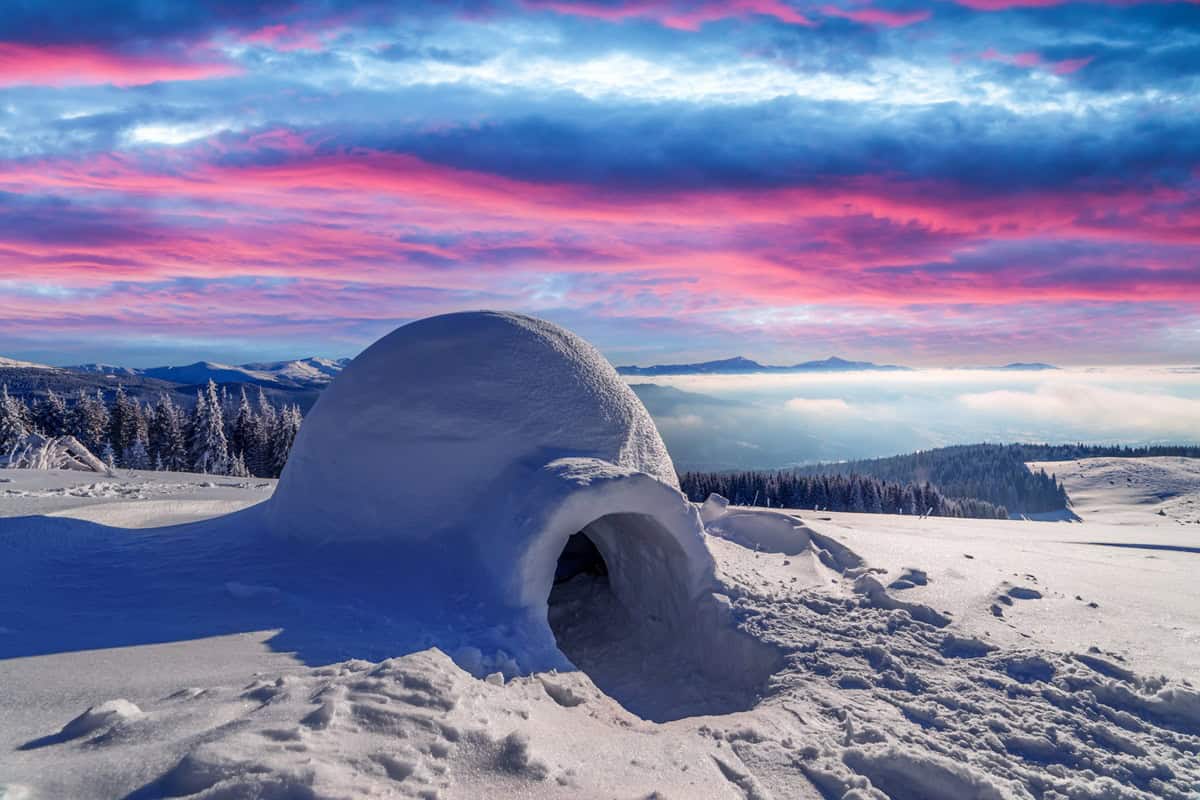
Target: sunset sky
[929, 183]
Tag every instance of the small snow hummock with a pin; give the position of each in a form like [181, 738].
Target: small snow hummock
[101, 716]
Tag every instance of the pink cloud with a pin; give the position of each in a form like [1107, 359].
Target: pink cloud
[1067, 66]
[1030, 60]
[73, 65]
[284, 37]
[878, 16]
[307, 180]
[1004, 5]
[385, 219]
[688, 16]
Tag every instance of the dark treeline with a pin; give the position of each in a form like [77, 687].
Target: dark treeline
[219, 435]
[851, 492]
[992, 473]
[1070, 452]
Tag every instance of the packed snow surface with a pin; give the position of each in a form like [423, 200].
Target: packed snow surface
[892, 677]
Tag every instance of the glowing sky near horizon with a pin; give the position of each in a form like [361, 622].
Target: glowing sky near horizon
[937, 183]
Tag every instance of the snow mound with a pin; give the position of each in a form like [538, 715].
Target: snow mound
[101, 716]
[468, 450]
[438, 420]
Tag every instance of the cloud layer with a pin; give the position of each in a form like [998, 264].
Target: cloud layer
[938, 182]
[767, 421]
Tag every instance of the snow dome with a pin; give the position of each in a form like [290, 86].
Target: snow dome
[446, 414]
[495, 457]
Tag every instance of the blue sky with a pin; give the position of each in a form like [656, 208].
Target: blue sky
[915, 182]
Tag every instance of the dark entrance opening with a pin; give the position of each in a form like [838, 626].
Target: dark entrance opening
[580, 556]
[616, 612]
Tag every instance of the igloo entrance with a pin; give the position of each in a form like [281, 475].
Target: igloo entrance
[620, 611]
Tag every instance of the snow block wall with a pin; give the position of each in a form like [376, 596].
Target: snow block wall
[470, 447]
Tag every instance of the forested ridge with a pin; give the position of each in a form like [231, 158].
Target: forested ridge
[977, 480]
[854, 492]
[1070, 452]
[994, 473]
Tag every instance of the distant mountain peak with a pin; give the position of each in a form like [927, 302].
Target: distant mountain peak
[741, 364]
[1028, 365]
[12, 363]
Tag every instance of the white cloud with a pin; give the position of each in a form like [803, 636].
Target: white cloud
[683, 421]
[162, 133]
[1106, 411]
[819, 406]
[831, 416]
[894, 82]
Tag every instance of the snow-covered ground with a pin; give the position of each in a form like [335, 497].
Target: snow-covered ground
[1123, 579]
[129, 499]
[880, 656]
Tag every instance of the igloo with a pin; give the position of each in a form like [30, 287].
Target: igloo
[492, 456]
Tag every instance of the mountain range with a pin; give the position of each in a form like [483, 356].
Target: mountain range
[741, 365]
[313, 374]
[300, 373]
[299, 381]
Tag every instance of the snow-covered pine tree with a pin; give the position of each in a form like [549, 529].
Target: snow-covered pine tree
[286, 428]
[13, 426]
[237, 467]
[166, 438]
[50, 415]
[242, 433]
[209, 452]
[259, 458]
[122, 424]
[108, 457]
[89, 421]
[141, 422]
[137, 457]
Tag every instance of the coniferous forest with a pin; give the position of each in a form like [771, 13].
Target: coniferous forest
[853, 492]
[980, 480]
[217, 435]
[992, 473]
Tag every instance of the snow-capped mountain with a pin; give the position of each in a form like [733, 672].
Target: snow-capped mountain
[12, 363]
[299, 373]
[104, 369]
[1035, 366]
[313, 370]
[741, 364]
